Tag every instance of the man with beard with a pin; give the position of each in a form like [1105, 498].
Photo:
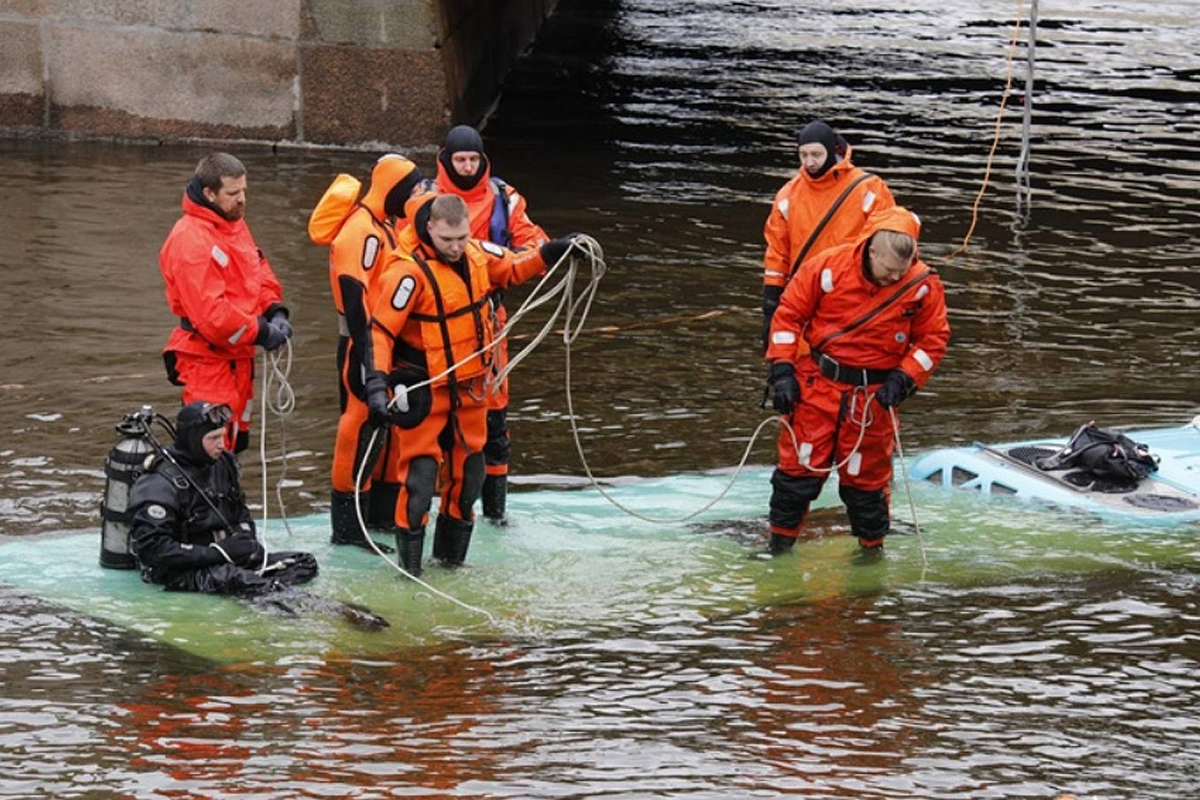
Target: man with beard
[859, 329]
[224, 292]
[827, 203]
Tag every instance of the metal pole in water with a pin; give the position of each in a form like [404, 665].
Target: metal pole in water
[1024, 189]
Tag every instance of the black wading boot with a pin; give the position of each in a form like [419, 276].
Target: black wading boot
[451, 538]
[344, 521]
[381, 508]
[495, 499]
[780, 544]
[410, 544]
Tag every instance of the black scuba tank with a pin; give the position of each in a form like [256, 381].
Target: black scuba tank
[122, 467]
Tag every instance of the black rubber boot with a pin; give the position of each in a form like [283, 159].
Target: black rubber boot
[451, 539]
[780, 544]
[410, 544]
[381, 510]
[344, 522]
[495, 499]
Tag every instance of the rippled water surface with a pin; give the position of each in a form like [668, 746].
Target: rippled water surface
[663, 128]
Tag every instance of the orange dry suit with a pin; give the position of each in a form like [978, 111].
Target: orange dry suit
[498, 214]
[430, 316]
[360, 232]
[797, 229]
[842, 332]
[223, 290]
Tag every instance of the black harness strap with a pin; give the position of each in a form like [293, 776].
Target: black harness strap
[867, 317]
[439, 301]
[812, 237]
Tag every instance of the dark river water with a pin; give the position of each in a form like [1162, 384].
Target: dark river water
[663, 128]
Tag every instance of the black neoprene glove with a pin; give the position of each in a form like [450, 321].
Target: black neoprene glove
[896, 388]
[787, 390]
[553, 250]
[377, 399]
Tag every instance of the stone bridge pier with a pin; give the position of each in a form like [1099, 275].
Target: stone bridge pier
[327, 72]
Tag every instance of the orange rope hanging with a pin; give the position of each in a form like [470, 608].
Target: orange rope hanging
[1012, 49]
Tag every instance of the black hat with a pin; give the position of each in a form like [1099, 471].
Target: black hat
[195, 421]
[463, 139]
[820, 132]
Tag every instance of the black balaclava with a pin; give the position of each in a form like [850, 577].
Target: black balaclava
[398, 195]
[820, 133]
[463, 138]
[195, 420]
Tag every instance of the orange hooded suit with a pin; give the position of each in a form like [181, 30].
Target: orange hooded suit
[223, 289]
[842, 333]
[499, 215]
[431, 320]
[358, 246]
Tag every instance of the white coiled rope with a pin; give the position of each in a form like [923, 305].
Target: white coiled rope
[558, 282]
[278, 398]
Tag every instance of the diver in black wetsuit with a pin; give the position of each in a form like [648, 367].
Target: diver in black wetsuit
[191, 529]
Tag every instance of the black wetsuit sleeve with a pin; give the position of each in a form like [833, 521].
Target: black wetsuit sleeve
[157, 526]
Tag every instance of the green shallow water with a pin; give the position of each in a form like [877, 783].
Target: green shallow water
[573, 563]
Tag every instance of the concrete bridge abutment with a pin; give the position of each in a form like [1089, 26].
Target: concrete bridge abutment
[323, 72]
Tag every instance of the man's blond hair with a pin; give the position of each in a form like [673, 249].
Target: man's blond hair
[896, 243]
[449, 208]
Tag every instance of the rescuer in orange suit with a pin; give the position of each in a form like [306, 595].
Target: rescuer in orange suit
[431, 320]
[498, 215]
[224, 292]
[827, 184]
[859, 328]
[358, 245]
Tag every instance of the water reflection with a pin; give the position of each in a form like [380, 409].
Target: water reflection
[1010, 691]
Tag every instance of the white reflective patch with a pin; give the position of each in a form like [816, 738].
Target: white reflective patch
[826, 280]
[916, 219]
[404, 292]
[783, 208]
[769, 272]
[783, 337]
[491, 248]
[805, 453]
[155, 511]
[923, 359]
[220, 257]
[855, 464]
[868, 201]
[237, 335]
[924, 290]
[370, 252]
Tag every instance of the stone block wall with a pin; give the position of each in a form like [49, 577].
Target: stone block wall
[337, 72]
